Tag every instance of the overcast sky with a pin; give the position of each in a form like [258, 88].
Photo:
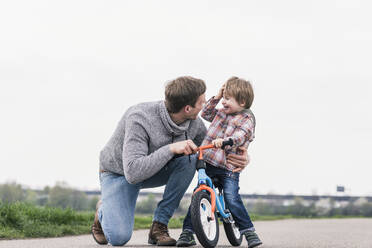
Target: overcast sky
[69, 70]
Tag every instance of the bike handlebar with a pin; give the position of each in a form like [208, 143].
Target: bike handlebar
[229, 142]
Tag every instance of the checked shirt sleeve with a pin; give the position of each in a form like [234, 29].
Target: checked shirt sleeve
[209, 111]
[244, 132]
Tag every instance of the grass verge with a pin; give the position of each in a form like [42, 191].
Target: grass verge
[22, 220]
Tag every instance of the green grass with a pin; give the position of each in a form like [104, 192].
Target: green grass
[22, 220]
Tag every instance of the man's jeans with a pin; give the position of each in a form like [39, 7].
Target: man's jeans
[116, 213]
[233, 201]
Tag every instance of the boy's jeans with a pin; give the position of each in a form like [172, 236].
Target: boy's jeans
[116, 213]
[233, 202]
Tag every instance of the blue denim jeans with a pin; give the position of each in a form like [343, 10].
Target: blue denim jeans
[233, 201]
[116, 214]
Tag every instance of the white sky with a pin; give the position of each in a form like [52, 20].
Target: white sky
[69, 70]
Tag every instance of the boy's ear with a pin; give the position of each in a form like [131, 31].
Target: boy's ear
[242, 104]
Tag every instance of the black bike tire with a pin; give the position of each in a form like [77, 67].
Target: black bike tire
[196, 222]
[231, 235]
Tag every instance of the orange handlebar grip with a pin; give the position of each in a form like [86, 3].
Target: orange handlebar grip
[206, 147]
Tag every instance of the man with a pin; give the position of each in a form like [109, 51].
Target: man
[142, 153]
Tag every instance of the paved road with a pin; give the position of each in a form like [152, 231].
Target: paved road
[325, 233]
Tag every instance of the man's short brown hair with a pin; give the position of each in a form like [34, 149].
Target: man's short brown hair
[183, 91]
[241, 90]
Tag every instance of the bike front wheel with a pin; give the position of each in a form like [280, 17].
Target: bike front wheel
[233, 234]
[206, 228]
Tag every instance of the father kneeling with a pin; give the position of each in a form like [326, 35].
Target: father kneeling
[141, 154]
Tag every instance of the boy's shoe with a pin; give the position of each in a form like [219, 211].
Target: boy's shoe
[252, 239]
[186, 239]
[159, 235]
[97, 231]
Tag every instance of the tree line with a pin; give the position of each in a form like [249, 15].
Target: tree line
[62, 195]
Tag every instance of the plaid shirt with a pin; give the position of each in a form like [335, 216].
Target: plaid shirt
[239, 126]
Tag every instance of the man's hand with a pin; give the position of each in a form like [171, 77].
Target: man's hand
[239, 161]
[220, 92]
[185, 147]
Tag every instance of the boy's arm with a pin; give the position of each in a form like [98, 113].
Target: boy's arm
[209, 110]
[244, 132]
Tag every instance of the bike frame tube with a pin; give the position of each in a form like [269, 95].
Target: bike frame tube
[220, 197]
[205, 183]
[221, 207]
[203, 178]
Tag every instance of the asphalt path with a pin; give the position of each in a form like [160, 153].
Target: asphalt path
[320, 233]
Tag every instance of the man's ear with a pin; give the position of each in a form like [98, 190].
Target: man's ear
[187, 108]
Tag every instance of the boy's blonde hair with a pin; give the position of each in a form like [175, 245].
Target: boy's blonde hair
[241, 90]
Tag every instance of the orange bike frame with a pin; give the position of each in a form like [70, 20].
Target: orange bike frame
[213, 196]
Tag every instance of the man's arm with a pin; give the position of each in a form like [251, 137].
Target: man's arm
[138, 164]
[239, 161]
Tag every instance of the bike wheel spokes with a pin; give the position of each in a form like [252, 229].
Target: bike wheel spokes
[236, 231]
[206, 228]
[233, 234]
[209, 224]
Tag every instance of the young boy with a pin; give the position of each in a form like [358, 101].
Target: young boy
[234, 121]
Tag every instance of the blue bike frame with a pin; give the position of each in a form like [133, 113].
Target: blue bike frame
[220, 203]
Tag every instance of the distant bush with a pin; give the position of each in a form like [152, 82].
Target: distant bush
[12, 192]
[60, 195]
[146, 206]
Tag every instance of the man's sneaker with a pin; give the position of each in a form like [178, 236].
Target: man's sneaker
[159, 235]
[186, 239]
[97, 231]
[252, 239]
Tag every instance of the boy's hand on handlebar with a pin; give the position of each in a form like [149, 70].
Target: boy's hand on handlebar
[217, 143]
[185, 147]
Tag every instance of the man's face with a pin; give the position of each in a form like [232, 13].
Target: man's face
[194, 111]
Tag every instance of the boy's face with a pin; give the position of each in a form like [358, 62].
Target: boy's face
[230, 105]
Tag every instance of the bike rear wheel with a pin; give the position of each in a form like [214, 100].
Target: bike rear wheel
[233, 234]
[206, 229]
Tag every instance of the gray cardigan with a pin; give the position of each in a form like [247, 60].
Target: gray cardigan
[139, 147]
